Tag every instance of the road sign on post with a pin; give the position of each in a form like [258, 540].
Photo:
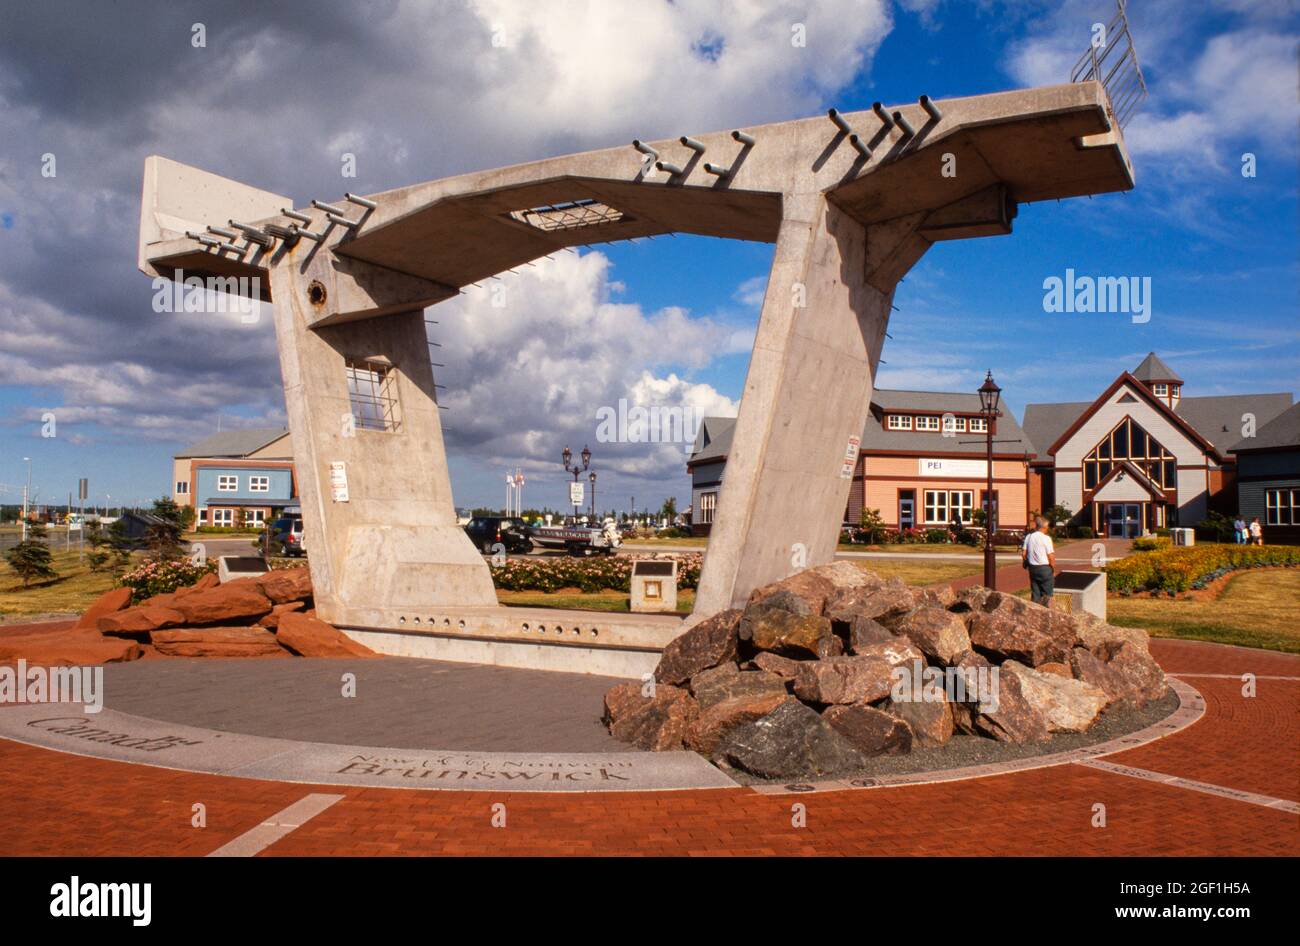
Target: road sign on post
[575, 494]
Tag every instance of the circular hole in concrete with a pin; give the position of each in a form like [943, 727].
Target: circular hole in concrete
[461, 625]
[402, 619]
[541, 629]
[446, 622]
[316, 294]
[577, 630]
[594, 632]
[417, 619]
[525, 625]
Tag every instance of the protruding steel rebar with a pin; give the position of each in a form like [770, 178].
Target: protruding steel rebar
[715, 170]
[360, 201]
[223, 232]
[311, 235]
[294, 215]
[205, 240]
[859, 146]
[930, 108]
[903, 126]
[696, 146]
[253, 234]
[644, 148]
[883, 115]
[328, 208]
[342, 221]
[743, 138]
[835, 116]
[230, 246]
[670, 168]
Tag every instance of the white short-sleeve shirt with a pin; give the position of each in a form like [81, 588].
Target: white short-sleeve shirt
[1038, 545]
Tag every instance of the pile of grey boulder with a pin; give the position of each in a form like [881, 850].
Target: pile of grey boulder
[833, 665]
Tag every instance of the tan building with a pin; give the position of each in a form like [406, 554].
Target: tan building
[236, 477]
[921, 463]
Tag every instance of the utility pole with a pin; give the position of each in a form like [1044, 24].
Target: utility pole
[26, 492]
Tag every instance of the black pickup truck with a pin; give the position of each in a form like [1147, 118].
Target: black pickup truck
[486, 531]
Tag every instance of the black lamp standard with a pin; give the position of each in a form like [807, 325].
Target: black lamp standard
[577, 471]
[989, 393]
[592, 477]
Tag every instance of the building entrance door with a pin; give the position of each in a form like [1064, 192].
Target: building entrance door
[906, 509]
[1123, 520]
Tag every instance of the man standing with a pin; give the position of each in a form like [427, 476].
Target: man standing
[1039, 556]
[1239, 526]
[1256, 532]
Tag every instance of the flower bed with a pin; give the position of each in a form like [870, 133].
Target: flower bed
[1178, 569]
[586, 574]
[158, 578]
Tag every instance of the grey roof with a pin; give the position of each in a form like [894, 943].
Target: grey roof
[233, 443]
[875, 437]
[1217, 418]
[246, 501]
[1153, 369]
[1280, 433]
[713, 439]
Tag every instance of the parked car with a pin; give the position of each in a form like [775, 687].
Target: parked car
[511, 532]
[286, 536]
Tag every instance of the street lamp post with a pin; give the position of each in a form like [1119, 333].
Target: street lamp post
[592, 478]
[576, 470]
[990, 394]
[27, 491]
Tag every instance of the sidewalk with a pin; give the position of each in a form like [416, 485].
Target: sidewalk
[1075, 556]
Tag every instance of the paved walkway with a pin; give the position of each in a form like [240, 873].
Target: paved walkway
[1073, 556]
[1210, 789]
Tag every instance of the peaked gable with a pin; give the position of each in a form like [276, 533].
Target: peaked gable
[1140, 392]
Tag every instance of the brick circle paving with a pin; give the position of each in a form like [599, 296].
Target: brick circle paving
[1225, 785]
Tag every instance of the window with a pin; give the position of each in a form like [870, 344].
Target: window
[203, 516]
[708, 504]
[182, 487]
[1282, 507]
[227, 484]
[255, 517]
[1128, 441]
[372, 395]
[961, 503]
[927, 423]
[936, 506]
[1175, 390]
[1160, 390]
[953, 425]
[223, 517]
[979, 425]
[259, 484]
[898, 422]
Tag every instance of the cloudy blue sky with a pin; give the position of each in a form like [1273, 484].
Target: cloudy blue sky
[418, 91]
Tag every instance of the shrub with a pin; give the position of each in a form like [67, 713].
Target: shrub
[1151, 543]
[586, 574]
[1173, 569]
[158, 578]
[937, 536]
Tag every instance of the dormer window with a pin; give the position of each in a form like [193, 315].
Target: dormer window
[1160, 389]
[927, 422]
[898, 422]
[953, 425]
[1175, 391]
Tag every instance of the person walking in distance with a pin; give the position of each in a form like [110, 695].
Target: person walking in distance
[1239, 527]
[1039, 557]
[1256, 532]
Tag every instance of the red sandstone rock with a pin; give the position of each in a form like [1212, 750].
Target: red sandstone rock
[217, 642]
[138, 622]
[107, 603]
[1013, 718]
[727, 682]
[285, 585]
[785, 633]
[939, 634]
[783, 667]
[272, 621]
[66, 646]
[811, 587]
[886, 603]
[931, 720]
[310, 637]
[1067, 704]
[231, 603]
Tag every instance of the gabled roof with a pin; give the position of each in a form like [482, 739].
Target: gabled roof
[1153, 369]
[1217, 419]
[1139, 477]
[1280, 433]
[1143, 392]
[714, 439]
[233, 443]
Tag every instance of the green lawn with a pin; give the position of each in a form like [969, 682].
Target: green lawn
[73, 591]
[1256, 609]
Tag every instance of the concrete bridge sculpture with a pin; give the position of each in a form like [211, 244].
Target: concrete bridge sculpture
[851, 202]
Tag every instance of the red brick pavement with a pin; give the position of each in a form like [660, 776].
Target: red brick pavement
[55, 803]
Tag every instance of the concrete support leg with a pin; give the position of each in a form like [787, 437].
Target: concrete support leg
[805, 403]
[393, 542]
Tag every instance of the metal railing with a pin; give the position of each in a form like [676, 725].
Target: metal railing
[1115, 66]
